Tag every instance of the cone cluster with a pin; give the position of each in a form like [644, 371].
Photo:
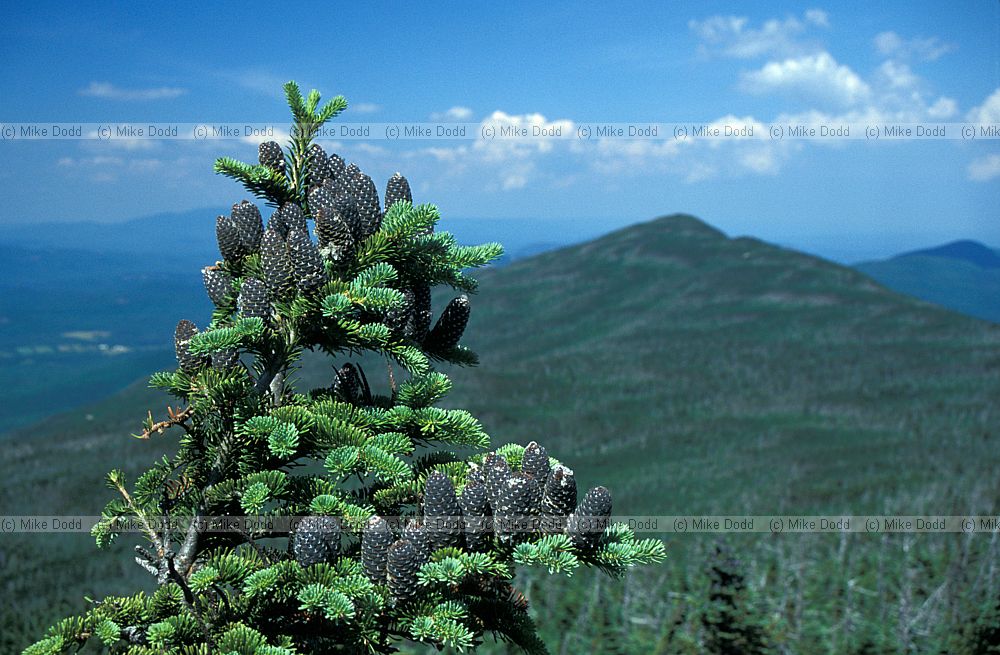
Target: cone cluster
[513, 505]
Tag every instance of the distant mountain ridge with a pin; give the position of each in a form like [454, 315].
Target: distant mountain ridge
[963, 276]
[690, 372]
[965, 250]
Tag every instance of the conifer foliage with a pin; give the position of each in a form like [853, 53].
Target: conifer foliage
[334, 519]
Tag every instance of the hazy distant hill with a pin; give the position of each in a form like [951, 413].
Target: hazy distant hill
[88, 307]
[962, 275]
[691, 373]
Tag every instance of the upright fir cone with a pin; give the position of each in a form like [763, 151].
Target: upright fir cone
[317, 166]
[419, 322]
[225, 360]
[276, 265]
[402, 565]
[350, 386]
[590, 519]
[351, 174]
[496, 472]
[375, 541]
[397, 317]
[188, 362]
[218, 284]
[450, 326]
[249, 224]
[288, 216]
[414, 533]
[322, 196]
[558, 499]
[316, 539]
[536, 463]
[230, 245]
[476, 516]
[514, 507]
[270, 154]
[442, 515]
[397, 189]
[369, 211]
[334, 235]
[347, 206]
[307, 263]
[252, 301]
[337, 169]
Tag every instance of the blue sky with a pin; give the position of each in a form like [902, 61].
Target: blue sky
[699, 61]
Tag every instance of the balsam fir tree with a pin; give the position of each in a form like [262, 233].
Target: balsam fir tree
[368, 529]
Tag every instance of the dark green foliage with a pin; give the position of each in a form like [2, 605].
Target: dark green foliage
[731, 627]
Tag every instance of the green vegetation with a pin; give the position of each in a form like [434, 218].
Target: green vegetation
[368, 532]
[693, 374]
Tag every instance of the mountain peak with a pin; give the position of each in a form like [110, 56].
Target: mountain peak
[966, 250]
[685, 225]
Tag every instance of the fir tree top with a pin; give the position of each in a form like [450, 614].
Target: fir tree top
[334, 519]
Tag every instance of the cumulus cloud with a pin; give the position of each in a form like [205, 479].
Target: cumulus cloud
[891, 44]
[365, 107]
[988, 112]
[733, 36]
[456, 113]
[818, 76]
[943, 108]
[985, 168]
[817, 17]
[109, 91]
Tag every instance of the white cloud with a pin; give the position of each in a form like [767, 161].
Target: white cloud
[456, 113]
[988, 112]
[890, 44]
[111, 92]
[818, 76]
[732, 36]
[897, 75]
[985, 168]
[943, 108]
[365, 107]
[817, 17]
